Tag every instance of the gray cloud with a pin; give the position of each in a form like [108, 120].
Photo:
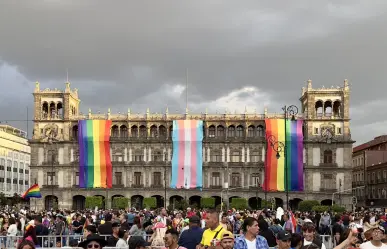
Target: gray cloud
[133, 54]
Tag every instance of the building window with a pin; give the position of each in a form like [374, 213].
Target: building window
[76, 178]
[339, 130]
[118, 178]
[260, 131]
[157, 156]
[236, 157]
[139, 156]
[211, 131]
[220, 131]
[240, 131]
[328, 156]
[216, 156]
[255, 156]
[143, 131]
[235, 180]
[231, 131]
[137, 179]
[255, 180]
[251, 131]
[328, 182]
[315, 131]
[51, 179]
[153, 131]
[134, 131]
[215, 179]
[157, 178]
[115, 132]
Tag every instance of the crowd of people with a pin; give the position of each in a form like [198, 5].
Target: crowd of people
[192, 229]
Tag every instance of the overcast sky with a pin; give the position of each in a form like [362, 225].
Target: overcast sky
[238, 53]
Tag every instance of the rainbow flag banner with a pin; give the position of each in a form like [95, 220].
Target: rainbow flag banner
[187, 157]
[95, 166]
[275, 168]
[32, 192]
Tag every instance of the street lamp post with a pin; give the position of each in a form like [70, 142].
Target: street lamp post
[278, 146]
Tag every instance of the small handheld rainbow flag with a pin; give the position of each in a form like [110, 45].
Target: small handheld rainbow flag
[33, 191]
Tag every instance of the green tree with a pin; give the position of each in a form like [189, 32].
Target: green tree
[307, 205]
[239, 203]
[207, 202]
[3, 199]
[320, 209]
[120, 202]
[150, 202]
[94, 201]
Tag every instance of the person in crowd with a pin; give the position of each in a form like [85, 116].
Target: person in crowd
[311, 237]
[26, 244]
[122, 238]
[171, 239]
[225, 222]
[93, 241]
[265, 232]
[376, 240]
[113, 239]
[296, 241]
[214, 229]
[137, 242]
[283, 240]
[89, 230]
[123, 222]
[106, 228]
[250, 238]
[136, 229]
[193, 236]
[227, 240]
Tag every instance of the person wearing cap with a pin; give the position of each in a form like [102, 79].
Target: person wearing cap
[191, 237]
[283, 239]
[113, 239]
[376, 240]
[137, 242]
[227, 240]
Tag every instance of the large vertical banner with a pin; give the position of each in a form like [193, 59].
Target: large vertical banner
[187, 157]
[275, 168]
[95, 166]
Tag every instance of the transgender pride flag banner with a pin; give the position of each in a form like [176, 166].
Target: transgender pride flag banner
[187, 159]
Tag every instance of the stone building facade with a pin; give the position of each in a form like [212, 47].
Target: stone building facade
[369, 172]
[14, 161]
[234, 151]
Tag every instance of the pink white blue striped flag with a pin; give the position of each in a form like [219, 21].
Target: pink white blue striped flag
[187, 158]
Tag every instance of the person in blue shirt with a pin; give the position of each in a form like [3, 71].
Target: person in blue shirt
[191, 237]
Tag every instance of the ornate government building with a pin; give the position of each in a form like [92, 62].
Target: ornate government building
[234, 150]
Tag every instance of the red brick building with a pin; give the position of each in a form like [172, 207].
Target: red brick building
[369, 162]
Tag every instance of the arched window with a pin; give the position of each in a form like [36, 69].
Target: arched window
[134, 131]
[153, 131]
[231, 131]
[143, 131]
[162, 131]
[328, 156]
[124, 131]
[260, 131]
[251, 131]
[74, 132]
[211, 131]
[115, 131]
[319, 108]
[157, 156]
[220, 131]
[240, 131]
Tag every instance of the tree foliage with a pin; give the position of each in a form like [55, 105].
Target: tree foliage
[207, 202]
[150, 202]
[94, 201]
[307, 205]
[239, 203]
[120, 202]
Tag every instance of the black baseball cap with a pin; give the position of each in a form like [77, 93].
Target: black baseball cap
[194, 219]
[283, 235]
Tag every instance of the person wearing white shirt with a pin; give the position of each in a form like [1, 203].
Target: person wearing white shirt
[376, 240]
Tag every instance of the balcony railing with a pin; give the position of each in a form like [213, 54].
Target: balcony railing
[329, 165]
[157, 186]
[331, 190]
[137, 185]
[216, 186]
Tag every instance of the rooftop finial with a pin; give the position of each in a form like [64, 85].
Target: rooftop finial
[245, 109]
[147, 111]
[309, 84]
[37, 86]
[167, 111]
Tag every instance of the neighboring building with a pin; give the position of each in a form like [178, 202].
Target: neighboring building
[14, 161]
[370, 162]
[235, 143]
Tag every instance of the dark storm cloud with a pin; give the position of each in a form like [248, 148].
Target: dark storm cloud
[132, 53]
